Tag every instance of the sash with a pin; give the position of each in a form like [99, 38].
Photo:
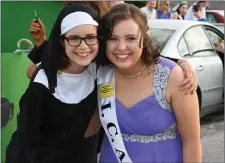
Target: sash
[107, 112]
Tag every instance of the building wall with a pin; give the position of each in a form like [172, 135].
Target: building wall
[13, 85]
[16, 19]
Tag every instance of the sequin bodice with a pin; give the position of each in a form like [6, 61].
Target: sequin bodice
[151, 119]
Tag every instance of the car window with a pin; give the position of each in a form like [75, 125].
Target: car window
[160, 36]
[217, 41]
[211, 18]
[197, 40]
[220, 26]
[182, 47]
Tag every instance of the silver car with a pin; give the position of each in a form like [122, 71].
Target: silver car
[202, 45]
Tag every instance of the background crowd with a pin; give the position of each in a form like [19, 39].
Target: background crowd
[182, 11]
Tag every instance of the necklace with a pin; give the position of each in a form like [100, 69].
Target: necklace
[132, 76]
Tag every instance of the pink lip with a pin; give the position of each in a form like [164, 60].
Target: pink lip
[122, 54]
[83, 52]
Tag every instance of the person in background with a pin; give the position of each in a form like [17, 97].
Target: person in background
[190, 15]
[100, 7]
[150, 10]
[163, 11]
[114, 2]
[145, 117]
[197, 12]
[180, 11]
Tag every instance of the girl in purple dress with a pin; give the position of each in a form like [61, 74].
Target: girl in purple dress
[145, 116]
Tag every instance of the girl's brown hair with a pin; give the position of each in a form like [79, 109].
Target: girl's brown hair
[101, 7]
[122, 12]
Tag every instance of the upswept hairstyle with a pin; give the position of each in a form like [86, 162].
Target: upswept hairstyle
[122, 12]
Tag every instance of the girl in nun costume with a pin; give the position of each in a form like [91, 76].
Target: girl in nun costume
[58, 105]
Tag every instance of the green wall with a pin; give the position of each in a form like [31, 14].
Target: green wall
[15, 22]
[14, 83]
[16, 18]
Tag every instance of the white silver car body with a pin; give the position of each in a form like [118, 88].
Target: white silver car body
[206, 64]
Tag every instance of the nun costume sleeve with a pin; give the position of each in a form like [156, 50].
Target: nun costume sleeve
[24, 149]
[36, 53]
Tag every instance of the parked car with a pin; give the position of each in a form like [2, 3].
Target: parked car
[220, 26]
[202, 45]
[215, 16]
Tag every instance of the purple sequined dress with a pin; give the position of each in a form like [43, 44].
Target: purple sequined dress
[149, 127]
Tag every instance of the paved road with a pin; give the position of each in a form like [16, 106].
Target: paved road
[212, 137]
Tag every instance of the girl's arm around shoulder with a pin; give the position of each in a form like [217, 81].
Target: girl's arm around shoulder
[94, 125]
[186, 109]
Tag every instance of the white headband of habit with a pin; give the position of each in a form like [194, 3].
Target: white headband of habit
[76, 19]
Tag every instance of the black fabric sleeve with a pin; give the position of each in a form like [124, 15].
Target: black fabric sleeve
[172, 59]
[36, 53]
[29, 123]
[88, 150]
[100, 139]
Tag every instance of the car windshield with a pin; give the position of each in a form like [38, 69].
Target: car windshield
[160, 36]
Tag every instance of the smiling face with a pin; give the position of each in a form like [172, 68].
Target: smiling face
[123, 48]
[81, 55]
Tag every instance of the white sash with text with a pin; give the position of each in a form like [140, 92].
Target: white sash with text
[107, 112]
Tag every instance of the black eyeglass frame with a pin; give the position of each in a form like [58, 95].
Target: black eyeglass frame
[81, 39]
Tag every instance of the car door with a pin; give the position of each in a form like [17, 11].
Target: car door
[195, 47]
[216, 37]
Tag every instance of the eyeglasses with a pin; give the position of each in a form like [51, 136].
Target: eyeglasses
[76, 40]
